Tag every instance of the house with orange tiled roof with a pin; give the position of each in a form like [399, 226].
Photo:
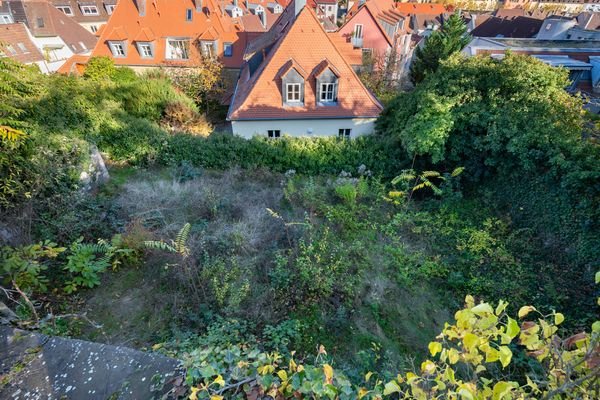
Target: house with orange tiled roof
[152, 33]
[297, 82]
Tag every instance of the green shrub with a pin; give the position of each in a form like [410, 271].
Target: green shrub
[100, 68]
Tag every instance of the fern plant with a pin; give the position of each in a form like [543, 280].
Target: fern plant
[178, 246]
[424, 180]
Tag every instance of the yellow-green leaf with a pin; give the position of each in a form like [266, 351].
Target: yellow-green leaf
[435, 347]
[482, 309]
[512, 328]
[219, 381]
[505, 356]
[194, 394]
[523, 311]
[453, 356]
[328, 370]
[216, 397]
[502, 390]
[368, 376]
[391, 387]
[362, 392]
[282, 375]
[428, 367]
[470, 341]
[558, 318]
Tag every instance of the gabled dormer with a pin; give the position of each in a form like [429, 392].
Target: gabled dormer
[327, 83]
[293, 81]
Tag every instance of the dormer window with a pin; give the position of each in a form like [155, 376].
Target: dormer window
[145, 49]
[110, 8]
[89, 10]
[66, 10]
[117, 49]
[328, 92]
[6, 19]
[293, 93]
[327, 87]
[293, 88]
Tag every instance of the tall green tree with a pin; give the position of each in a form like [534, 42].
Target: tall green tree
[451, 38]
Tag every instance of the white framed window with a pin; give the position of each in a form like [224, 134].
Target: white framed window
[293, 93]
[117, 49]
[178, 49]
[344, 133]
[358, 31]
[228, 49]
[11, 50]
[67, 10]
[94, 28]
[83, 45]
[110, 8]
[89, 10]
[274, 133]
[22, 47]
[145, 49]
[6, 19]
[328, 92]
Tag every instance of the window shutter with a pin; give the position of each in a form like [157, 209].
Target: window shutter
[335, 91]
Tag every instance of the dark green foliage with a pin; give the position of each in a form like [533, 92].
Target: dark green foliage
[451, 38]
[520, 141]
[306, 156]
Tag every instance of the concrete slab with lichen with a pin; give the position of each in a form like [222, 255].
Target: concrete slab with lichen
[36, 366]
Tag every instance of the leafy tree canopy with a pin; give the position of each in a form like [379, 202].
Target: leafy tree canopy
[484, 113]
[451, 38]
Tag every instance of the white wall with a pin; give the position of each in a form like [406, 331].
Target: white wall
[304, 127]
[63, 53]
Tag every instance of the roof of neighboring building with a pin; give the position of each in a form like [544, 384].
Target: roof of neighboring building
[517, 27]
[167, 18]
[74, 65]
[21, 47]
[43, 20]
[534, 44]
[421, 8]
[301, 43]
[378, 10]
[79, 16]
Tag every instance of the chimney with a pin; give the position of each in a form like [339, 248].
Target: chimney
[299, 5]
[198, 5]
[141, 5]
[235, 3]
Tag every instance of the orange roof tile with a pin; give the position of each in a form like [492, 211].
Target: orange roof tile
[145, 35]
[303, 41]
[118, 33]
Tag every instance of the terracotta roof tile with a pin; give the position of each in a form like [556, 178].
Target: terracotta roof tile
[303, 40]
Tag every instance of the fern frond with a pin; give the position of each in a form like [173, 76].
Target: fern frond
[457, 171]
[182, 237]
[430, 174]
[404, 177]
[159, 245]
